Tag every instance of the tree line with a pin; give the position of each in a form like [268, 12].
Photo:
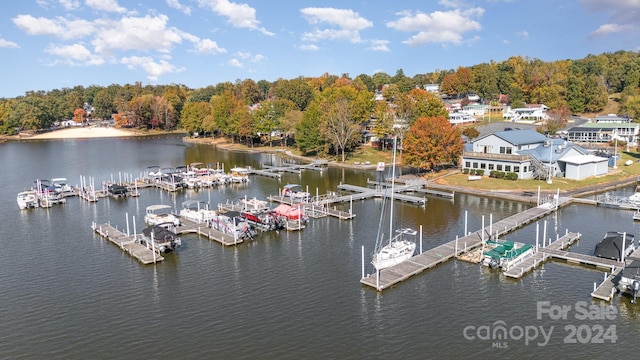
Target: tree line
[326, 114]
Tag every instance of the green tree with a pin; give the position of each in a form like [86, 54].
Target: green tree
[193, 116]
[297, 91]
[308, 135]
[432, 142]
[103, 105]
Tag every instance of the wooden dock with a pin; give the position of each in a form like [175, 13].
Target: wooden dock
[430, 258]
[191, 227]
[607, 289]
[127, 243]
[543, 254]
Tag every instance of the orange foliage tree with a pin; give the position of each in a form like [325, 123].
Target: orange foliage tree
[79, 115]
[432, 142]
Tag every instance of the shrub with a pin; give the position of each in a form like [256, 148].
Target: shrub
[479, 172]
[511, 176]
[465, 170]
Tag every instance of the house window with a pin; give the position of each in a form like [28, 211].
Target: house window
[499, 167]
[467, 164]
[525, 169]
[475, 165]
[491, 166]
[483, 166]
[507, 168]
[505, 150]
[516, 169]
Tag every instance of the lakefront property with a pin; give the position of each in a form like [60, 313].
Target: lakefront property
[527, 154]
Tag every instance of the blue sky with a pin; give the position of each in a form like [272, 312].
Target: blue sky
[53, 44]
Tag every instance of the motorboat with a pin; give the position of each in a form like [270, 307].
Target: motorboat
[291, 212]
[27, 199]
[258, 213]
[295, 193]
[60, 185]
[612, 245]
[232, 223]
[160, 214]
[197, 211]
[160, 239]
[118, 191]
[504, 254]
[239, 174]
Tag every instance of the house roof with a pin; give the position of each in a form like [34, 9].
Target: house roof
[553, 149]
[584, 159]
[519, 137]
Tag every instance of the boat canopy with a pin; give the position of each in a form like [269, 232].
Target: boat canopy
[611, 246]
[152, 208]
[292, 186]
[190, 204]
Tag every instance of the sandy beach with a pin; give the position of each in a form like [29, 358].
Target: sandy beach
[83, 133]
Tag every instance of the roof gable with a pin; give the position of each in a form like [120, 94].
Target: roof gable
[518, 137]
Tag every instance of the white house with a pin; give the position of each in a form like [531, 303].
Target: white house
[535, 112]
[531, 155]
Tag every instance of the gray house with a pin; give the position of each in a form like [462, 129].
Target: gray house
[531, 155]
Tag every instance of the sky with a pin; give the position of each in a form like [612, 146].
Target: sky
[56, 44]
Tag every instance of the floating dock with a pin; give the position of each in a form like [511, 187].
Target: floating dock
[191, 227]
[440, 254]
[127, 243]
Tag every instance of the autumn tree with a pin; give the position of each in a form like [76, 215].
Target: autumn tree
[432, 142]
[308, 135]
[470, 132]
[297, 91]
[79, 115]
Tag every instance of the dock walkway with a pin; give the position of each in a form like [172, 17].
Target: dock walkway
[191, 227]
[555, 249]
[127, 243]
[395, 274]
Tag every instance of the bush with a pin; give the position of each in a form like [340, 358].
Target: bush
[479, 172]
[511, 176]
[465, 170]
[497, 174]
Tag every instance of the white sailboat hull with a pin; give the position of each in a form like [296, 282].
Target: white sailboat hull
[393, 253]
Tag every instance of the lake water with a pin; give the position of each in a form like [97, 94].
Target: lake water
[66, 293]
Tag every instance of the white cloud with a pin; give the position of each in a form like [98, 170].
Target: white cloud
[7, 44]
[235, 63]
[524, 34]
[438, 27]
[58, 27]
[75, 54]
[69, 4]
[105, 5]
[243, 55]
[344, 24]
[608, 29]
[238, 15]
[153, 69]
[379, 45]
[309, 47]
[623, 15]
[175, 4]
[136, 33]
[206, 46]
[258, 58]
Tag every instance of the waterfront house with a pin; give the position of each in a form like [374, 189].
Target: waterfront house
[605, 129]
[531, 155]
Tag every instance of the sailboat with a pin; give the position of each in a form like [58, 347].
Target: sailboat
[398, 247]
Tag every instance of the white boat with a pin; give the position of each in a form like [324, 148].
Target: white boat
[504, 254]
[27, 199]
[60, 185]
[635, 197]
[197, 211]
[399, 247]
[295, 193]
[239, 174]
[160, 214]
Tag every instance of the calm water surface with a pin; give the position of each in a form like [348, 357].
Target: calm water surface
[66, 293]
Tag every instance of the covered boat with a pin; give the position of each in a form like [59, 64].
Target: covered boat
[295, 192]
[158, 237]
[610, 247]
[197, 211]
[27, 199]
[504, 254]
[160, 214]
[290, 213]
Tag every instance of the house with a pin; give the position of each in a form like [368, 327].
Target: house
[604, 132]
[461, 117]
[531, 112]
[432, 88]
[531, 155]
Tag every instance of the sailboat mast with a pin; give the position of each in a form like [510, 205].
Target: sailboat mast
[393, 180]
